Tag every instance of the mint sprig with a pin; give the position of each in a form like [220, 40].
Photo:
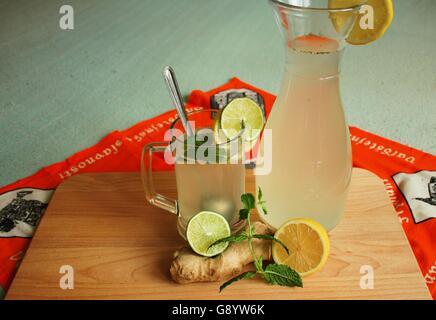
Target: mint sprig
[234, 238]
[248, 203]
[273, 273]
[282, 275]
[272, 238]
[261, 202]
[245, 275]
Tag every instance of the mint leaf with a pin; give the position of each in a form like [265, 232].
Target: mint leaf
[245, 275]
[243, 214]
[261, 202]
[234, 238]
[263, 206]
[248, 201]
[259, 264]
[282, 275]
[273, 273]
[259, 194]
[272, 238]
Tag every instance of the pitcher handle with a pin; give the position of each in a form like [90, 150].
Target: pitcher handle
[151, 195]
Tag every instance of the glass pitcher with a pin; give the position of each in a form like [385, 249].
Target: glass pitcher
[210, 173]
[311, 150]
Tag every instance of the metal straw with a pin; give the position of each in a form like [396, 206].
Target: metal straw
[173, 88]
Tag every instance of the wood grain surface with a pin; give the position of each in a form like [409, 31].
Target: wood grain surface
[121, 247]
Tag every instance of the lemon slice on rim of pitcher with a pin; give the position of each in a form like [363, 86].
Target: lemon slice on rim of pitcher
[383, 14]
[308, 245]
[242, 114]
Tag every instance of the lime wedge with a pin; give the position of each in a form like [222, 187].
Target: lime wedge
[204, 229]
[242, 114]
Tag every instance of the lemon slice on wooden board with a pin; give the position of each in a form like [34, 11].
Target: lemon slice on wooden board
[308, 245]
[383, 15]
[242, 114]
[205, 228]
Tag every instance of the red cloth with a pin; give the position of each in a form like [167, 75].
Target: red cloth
[121, 150]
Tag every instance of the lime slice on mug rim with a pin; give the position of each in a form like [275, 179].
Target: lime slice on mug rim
[242, 114]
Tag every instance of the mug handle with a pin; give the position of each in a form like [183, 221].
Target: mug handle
[152, 197]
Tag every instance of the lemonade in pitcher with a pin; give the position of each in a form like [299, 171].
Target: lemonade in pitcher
[311, 149]
[311, 167]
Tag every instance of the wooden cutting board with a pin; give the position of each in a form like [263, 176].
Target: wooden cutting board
[121, 247]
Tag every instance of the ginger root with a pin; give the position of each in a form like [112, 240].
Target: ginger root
[189, 267]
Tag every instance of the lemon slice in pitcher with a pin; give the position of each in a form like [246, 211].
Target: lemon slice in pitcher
[204, 229]
[242, 114]
[308, 245]
[382, 10]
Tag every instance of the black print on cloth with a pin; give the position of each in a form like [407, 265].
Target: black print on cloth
[419, 190]
[21, 210]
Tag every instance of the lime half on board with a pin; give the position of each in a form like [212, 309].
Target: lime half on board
[205, 228]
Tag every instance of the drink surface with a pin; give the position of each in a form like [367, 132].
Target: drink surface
[311, 152]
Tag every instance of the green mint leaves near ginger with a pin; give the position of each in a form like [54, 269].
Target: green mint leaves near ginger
[245, 275]
[273, 273]
[236, 238]
[282, 275]
[272, 238]
[248, 203]
[261, 202]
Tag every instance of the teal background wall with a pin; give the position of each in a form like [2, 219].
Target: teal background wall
[62, 91]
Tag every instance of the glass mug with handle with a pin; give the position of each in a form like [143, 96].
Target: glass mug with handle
[209, 170]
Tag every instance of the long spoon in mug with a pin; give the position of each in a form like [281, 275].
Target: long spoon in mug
[173, 88]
